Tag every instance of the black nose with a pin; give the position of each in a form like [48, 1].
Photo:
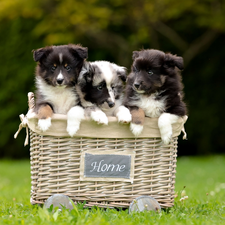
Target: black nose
[111, 104]
[137, 85]
[59, 81]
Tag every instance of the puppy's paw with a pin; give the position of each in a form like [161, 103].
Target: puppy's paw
[123, 115]
[166, 138]
[166, 133]
[99, 117]
[44, 124]
[136, 129]
[72, 128]
[74, 117]
[165, 126]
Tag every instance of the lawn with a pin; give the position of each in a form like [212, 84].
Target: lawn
[203, 178]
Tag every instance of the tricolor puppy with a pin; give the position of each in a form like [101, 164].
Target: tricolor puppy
[154, 89]
[100, 87]
[56, 75]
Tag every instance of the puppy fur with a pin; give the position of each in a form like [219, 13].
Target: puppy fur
[56, 75]
[154, 89]
[100, 87]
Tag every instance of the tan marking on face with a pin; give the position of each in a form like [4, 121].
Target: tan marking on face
[66, 65]
[163, 79]
[54, 65]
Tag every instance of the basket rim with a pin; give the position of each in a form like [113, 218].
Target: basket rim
[91, 129]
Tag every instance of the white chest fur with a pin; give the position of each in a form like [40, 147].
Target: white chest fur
[151, 106]
[61, 98]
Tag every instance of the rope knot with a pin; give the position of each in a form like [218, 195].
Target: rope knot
[23, 124]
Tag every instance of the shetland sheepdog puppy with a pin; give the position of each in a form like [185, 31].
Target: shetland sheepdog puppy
[57, 72]
[154, 89]
[100, 87]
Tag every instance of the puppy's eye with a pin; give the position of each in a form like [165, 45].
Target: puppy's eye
[68, 68]
[100, 87]
[53, 68]
[113, 87]
[150, 72]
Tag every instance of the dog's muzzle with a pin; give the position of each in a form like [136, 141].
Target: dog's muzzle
[60, 81]
[137, 85]
[111, 99]
[137, 88]
[110, 103]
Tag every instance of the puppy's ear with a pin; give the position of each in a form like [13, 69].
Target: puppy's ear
[41, 53]
[122, 73]
[78, 51]
[135, 55]
[173, 60]
[87, 72]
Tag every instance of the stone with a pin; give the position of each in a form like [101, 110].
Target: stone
[59, 200]
[144, 203]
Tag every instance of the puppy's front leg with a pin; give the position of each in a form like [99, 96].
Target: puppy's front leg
[74, 117]
[165, 122]
[99, 116]
[96, 114]
[44, 117]
[123, 114]
[137, 123]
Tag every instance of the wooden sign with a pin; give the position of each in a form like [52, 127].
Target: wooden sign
[100, 166]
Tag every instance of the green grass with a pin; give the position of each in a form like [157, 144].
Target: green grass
[204, 178]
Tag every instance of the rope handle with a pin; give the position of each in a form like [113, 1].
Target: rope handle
[21, 126]
[24, 122]
[183, 130]
[31, 102]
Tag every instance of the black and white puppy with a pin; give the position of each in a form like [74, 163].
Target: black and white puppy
[154, 89]
[56, 75]
[100, 87]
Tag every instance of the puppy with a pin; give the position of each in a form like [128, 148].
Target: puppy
[56, 75]
[154, 89]
[100, 87]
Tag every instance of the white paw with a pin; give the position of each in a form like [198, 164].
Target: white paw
[74, 117]
[136, 129]
[166, 132]
[166, 138]
[99, 117]
[44, 124]
[165, 126]
[72, 128]
[124, 115]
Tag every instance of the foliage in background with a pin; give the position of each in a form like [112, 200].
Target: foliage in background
[112, 30]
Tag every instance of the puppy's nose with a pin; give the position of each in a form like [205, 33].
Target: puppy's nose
[137, 85]
[111, 104]
[60, 81]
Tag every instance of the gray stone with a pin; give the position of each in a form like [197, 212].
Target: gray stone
[58, 200]
[144, 203]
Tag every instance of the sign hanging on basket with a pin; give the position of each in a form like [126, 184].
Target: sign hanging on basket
[107, 166]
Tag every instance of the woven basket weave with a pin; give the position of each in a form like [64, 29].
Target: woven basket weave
[55, 164]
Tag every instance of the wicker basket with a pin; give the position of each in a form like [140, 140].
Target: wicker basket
[55, 162]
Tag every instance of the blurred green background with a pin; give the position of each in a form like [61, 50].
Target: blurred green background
[112, 30]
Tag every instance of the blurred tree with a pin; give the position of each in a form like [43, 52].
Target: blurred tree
[112, 30]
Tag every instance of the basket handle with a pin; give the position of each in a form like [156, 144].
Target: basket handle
[31, 102]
